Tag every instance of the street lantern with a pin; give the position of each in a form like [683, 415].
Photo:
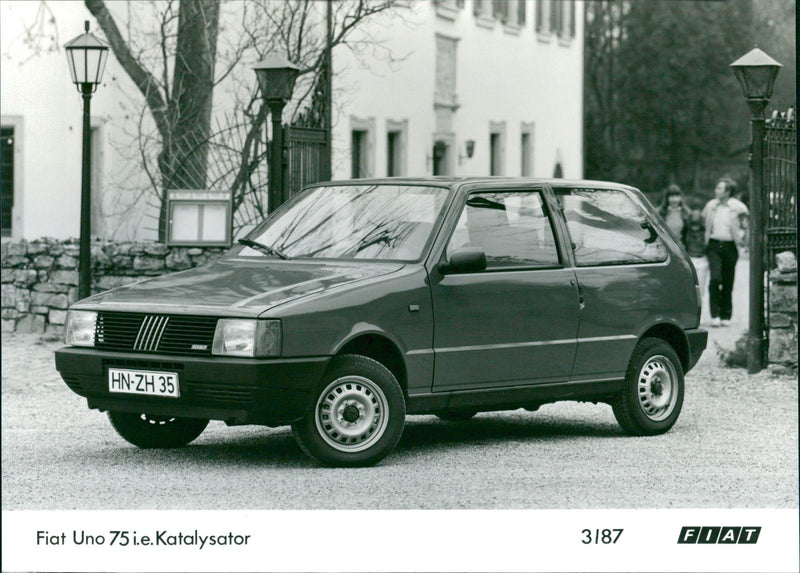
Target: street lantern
[276, 76]
[756, 73]
[86, 57]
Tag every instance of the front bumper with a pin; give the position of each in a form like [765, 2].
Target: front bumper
[698, 339]
[237, 390]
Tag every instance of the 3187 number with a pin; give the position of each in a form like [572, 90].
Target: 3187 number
[600, 536]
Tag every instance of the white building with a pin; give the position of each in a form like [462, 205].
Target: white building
[482, 87]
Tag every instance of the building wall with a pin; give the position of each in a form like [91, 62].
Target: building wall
[506, 79]
[513, 78]
[38, 98]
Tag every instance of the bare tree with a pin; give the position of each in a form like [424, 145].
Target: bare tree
[170, 51]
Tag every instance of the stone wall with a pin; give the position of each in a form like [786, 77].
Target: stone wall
[783, 318]
[40, 278]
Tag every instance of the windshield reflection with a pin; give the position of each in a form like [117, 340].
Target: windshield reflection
[384, 222]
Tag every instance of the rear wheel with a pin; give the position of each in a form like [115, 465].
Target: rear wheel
[358, 415]
[651, 400]
[147, 431]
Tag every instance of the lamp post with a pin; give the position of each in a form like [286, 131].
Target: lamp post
[276, 76]
[756, 73]
[86, 56]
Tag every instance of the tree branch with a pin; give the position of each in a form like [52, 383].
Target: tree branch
[143, 79]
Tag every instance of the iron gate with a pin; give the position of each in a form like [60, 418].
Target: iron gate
[780, 186]
[307, 158]
[779, 181]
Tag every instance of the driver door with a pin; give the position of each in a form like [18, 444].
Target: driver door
[516, 322]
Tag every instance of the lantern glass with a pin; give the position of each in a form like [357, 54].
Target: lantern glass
[757, 81]
[86, 57]
[756, 73]
[276, 76]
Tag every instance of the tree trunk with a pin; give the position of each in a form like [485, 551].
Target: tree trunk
[184, 157]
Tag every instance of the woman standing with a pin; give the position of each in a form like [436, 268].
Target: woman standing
[673, 210]
[724, 236]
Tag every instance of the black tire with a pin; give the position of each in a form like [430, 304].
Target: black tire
[456, 415]
[147, 431]
[651, 400]
[369, 409]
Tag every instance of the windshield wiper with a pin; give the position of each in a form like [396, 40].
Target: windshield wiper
[263, 248]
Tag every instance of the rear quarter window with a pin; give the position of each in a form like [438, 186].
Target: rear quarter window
[607, 227]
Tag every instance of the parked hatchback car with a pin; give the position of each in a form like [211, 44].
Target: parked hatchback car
[360, 302]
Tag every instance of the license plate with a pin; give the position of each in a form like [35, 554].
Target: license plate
[147, 382]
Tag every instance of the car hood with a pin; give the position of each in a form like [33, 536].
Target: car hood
[237, 288]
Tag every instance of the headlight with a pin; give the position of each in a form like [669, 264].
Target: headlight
[241, 337]
[80, 328]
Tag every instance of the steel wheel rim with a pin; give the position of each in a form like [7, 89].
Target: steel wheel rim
[657, 388]
[351, 414]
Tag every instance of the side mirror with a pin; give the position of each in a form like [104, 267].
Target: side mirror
[467, 260]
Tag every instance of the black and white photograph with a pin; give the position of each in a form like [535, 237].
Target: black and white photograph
[399, 285]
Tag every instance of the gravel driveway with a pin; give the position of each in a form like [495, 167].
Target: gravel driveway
[735, 445]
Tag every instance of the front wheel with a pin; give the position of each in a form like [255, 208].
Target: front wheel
[147, 431]
[358, 414]
[651, 400]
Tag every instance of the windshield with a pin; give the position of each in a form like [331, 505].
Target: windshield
[384, 222]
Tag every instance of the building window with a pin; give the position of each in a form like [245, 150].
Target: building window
[6, 178]
[526, 149]
[556, 17]
[521, 15]
[448, 9]
[392, 153]
[396, 134]
[495, 154]
[542, 16]
[359, 154]
[441, 158]
[485, 13]
[362, 147]
[497, 136]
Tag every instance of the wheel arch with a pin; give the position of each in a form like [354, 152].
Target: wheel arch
[381, 349]
[675, 337]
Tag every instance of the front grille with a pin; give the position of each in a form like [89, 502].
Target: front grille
[166, 334]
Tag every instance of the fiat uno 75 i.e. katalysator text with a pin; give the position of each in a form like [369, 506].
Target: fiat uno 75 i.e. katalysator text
[359, 302]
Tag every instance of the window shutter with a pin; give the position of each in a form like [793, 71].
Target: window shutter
[521, 13]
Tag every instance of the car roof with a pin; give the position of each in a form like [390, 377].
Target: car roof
[494, 181]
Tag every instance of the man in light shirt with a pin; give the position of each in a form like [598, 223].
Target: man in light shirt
[725, 234]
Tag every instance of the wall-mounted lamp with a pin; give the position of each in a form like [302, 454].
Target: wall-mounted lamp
[469, 147]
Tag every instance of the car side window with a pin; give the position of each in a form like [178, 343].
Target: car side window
[512, 229]
[607, 227]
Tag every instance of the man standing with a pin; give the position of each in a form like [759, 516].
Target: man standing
[724, 236]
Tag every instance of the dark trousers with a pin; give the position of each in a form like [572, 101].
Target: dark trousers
[722, 257]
